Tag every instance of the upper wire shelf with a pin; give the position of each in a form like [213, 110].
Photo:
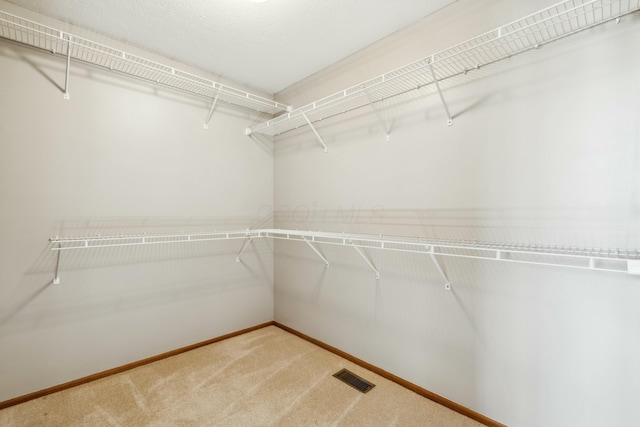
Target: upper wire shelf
[21, 30]
[553, 23]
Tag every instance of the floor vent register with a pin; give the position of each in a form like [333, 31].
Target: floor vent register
[354, 381]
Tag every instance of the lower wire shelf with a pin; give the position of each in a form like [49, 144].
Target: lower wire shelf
[597, 259]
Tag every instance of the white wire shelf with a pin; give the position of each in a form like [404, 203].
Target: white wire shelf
[598, 259]
[550, 24]
[31, 33]
[98, 241]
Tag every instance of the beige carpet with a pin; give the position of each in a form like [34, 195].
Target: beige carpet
[267, 377]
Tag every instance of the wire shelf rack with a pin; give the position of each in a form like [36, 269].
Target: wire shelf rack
[87, 242]
[550, 24]
[598, 259]
[31, 33]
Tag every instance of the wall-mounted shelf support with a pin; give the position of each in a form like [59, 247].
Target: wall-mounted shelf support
[315, 132]
[435, 81]
[317, 252]
[447, 284]
[387, 134]
[66, 94]
[56, 277]
[366, 259]
[267, 145]
[213, 106]
[246, 243]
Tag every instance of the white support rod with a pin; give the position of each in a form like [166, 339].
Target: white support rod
[317, 252]
[364, 257]
[444, 103]
[56, 277]
[243, 248]
[315, 132]
[266, 145]
[66, 94]
[383, 126]
[447, 284]
[213, 106]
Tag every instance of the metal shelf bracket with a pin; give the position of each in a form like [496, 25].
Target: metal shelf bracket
[253, 137]
[435, 81]
[447, 284]
[213, 106]
[383, 126]
[315, 132]
[66, 94]
[366, 259]
[246, 243]
[316, 251]
[56, 277]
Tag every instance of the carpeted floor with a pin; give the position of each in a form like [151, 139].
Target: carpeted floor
[267, 377]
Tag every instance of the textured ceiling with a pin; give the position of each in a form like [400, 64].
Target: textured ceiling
[268, 45]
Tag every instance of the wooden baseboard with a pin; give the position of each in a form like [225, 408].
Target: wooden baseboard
[103, 374]
[404, 383]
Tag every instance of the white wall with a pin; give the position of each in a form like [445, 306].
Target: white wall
[544, 149]
[121, 156]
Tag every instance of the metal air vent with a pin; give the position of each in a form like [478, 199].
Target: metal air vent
[354, 381]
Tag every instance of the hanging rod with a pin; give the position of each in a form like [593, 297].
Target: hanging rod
[530, 32]
[31, 33]
[611, 260]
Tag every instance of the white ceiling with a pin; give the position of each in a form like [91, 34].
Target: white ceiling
[267, 46]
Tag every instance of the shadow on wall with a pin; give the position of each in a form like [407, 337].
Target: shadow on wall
[99, 281]
[39, 69]
[31, 287]
[29, 313]
[302, 278]
[604, 227]
[408, 308]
